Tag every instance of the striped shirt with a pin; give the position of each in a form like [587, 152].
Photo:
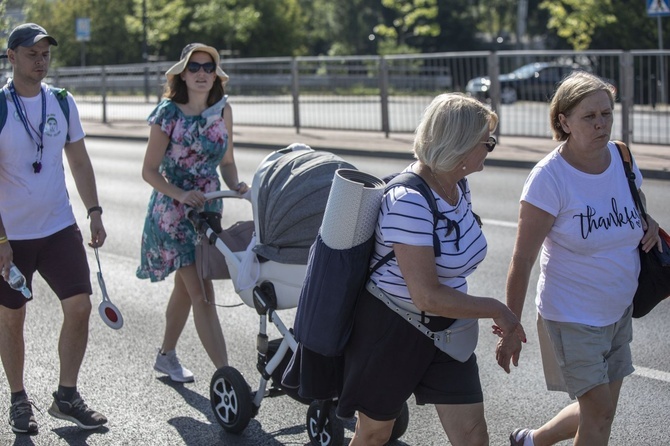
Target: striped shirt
[405, 218]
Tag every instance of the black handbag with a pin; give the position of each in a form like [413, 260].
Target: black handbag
[654, 280]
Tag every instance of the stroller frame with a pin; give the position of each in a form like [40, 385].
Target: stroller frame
[233, 401]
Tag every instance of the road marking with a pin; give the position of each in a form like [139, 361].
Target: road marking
[651, 373]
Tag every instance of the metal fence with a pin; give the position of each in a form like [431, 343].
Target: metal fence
[389, 94]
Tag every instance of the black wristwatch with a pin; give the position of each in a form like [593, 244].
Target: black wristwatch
[93, 209]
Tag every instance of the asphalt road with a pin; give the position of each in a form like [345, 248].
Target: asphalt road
[146, 409]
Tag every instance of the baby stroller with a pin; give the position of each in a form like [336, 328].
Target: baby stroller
[288, 197]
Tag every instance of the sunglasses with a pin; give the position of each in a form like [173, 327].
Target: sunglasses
[194, 67]
[490, 143]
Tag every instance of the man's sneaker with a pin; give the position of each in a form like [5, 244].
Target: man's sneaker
[77, 412]
[21, 417]
[169, 364]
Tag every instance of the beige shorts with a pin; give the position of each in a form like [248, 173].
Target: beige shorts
[577, 357]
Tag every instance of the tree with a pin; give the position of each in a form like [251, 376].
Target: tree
[248, 28]
[278, 30]
[578, 20]
[3, 25]
[3, 17]
[341, 27]
[413, 19]
[230, 26]
[634, 29]
[457, 28]
[167, 24]
[109, 41]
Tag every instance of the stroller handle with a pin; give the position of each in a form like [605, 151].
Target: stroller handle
[194, 214]
[227, 194]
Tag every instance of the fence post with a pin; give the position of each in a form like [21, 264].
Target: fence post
[626, 93]
[146, 83]
[295, 93]
[103, 76]
[159, 86]
[493, 66]
[384, 94]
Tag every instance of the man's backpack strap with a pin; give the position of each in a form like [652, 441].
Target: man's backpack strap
[3, 108]
[61, 96]
[59, 93]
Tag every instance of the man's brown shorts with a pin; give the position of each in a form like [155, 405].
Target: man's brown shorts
[59, 258]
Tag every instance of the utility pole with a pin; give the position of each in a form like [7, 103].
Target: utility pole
[145, 49]
[521, 19]
[658, 9]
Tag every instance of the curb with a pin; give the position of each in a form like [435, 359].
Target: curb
[517, 164]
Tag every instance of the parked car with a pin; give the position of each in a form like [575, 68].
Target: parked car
[532, 82]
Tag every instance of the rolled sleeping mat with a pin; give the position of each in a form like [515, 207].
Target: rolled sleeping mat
[352, 208]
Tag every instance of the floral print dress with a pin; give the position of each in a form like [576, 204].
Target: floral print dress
[197, 145]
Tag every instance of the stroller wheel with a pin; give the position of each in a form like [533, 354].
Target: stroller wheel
[332, 433]
[401, 423]
[231, 401]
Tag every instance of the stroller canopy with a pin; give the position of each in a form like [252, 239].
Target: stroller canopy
[291, 189]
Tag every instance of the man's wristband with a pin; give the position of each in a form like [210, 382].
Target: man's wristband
[93, 209]
[3, 239]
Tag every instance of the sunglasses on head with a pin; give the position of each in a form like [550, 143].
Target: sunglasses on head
[490, 143]
[194, 67]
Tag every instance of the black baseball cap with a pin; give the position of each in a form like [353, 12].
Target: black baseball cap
[28, 35]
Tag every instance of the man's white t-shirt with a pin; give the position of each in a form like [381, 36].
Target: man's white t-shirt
[35, 205]
[589, 261]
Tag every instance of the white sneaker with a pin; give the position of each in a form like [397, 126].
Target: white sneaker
[169, 364]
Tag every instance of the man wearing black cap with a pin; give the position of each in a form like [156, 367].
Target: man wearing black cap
[38, 230]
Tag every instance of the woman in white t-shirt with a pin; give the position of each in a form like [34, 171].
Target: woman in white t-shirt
[576, 207]
[387, 358]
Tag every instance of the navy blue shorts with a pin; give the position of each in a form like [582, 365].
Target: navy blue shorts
[59, 258]
[387, 360]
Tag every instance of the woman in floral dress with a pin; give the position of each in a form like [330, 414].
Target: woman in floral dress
[191, 134]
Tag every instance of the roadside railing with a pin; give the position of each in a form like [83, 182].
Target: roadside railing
[389, 94]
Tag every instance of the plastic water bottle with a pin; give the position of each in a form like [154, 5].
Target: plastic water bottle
[18, 282]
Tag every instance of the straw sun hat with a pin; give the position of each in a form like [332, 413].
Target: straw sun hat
[186, 53]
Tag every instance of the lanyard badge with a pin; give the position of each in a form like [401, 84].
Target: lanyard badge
[36, 135]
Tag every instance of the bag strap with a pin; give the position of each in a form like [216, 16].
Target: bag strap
[59, 93]
[415, 182]
[3, 108]
[61, 97]
[408, 316]
[627, 159]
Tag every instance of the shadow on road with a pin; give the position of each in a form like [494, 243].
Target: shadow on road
[186, 426]
[74, 436]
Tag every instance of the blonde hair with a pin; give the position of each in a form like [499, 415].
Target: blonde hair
[572, 90]
[452, 125]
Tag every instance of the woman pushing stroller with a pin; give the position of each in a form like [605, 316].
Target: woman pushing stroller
[191, 135]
